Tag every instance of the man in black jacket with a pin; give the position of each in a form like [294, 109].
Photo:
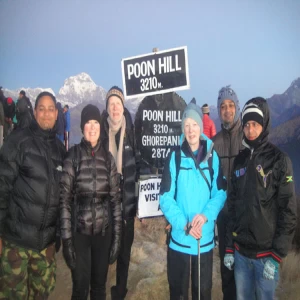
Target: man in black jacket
[228, 143]
[30, 168]
[117, 132]
[261, 206]
[22, 95]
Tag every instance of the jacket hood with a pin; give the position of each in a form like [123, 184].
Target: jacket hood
[205, 141]
[58, 105]
[227, 93]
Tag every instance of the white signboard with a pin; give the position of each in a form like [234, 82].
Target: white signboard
[148, 204]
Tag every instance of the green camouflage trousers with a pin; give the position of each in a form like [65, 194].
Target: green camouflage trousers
[26, 274]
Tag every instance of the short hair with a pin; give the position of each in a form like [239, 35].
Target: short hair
[22, 93]
[66, 106]
[43, 94]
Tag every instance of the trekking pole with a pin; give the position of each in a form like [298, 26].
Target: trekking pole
[1, 136]
[199, 268]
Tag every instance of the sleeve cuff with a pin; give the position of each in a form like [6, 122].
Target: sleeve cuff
[229, 250]
[276, 257]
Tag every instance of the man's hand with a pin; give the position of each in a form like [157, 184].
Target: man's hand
[229, 261]
[270, 269]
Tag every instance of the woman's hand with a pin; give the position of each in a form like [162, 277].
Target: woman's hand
[196, 226]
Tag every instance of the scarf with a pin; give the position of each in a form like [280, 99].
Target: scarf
[117, 152]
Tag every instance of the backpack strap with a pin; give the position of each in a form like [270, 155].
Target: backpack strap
[211, 172]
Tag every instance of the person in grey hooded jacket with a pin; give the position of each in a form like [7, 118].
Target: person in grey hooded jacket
[228, 143]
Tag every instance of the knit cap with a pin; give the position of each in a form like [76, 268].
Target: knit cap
[227, 93]
[192, 111]
[89, 112]
[115, 91]
[9, 100]
[205, 109]
[252, 112]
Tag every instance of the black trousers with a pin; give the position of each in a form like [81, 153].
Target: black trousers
[92, 261]
[228, 282]
[180, 266]
[124, 256]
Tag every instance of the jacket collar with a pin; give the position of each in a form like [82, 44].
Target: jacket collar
[87, 145]
[206, 150]
[44, 134]
[237, 126]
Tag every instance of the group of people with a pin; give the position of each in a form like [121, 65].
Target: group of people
[91, 213]
[63, 124]
[85, 200]
[14, 115]
[256, 218]
[19, 114]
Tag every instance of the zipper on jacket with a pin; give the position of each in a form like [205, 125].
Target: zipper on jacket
[94, 194]
[246, 203]
[48, 151]
[230, 158]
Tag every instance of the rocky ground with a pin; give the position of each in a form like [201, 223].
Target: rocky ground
[148, 273]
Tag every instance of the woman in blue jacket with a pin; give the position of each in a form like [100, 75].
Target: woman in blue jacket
[191, 197]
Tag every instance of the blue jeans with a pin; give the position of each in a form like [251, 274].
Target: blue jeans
[249, 280]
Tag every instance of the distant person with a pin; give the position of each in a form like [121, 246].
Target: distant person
[92, 239]
[262, 208]
[192, 193]
[30, 169]
[117, 133]
[60, 122]
[228, 144]
[22, 95]
[23, 115]
[9, 113]
[67, 126]
[209, 127]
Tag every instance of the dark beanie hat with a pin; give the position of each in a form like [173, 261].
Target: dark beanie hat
[89, 112]
[115, 91]
[252, 112]
[22, 92]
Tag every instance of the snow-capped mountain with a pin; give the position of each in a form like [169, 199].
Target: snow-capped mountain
[79, 89]
[30, 93]
[76, 90]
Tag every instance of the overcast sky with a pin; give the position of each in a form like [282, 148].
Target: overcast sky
[252, 45]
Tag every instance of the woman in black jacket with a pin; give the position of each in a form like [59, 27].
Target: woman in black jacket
[90, 210]
[117, 133]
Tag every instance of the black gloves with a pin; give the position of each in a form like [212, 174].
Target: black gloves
[115, 248]
[69, 253]
[57, 243]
